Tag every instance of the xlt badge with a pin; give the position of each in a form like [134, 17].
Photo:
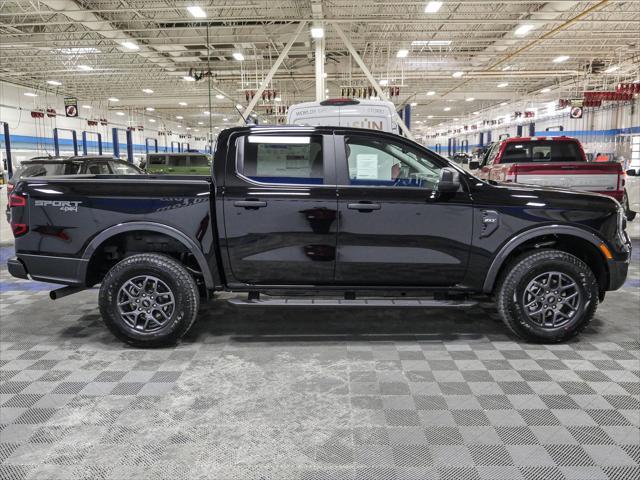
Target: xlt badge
[490, 222]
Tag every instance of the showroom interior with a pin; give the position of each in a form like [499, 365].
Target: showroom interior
[455, 296]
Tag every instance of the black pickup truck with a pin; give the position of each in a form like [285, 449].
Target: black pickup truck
[349, 214]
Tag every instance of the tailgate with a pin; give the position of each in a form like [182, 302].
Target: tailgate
[592, 177]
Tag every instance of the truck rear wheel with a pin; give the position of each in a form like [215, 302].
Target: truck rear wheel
[149, 300]
[547, 296]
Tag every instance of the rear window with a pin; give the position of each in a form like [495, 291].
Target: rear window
[47, 169]
[541, 151]
[199, 161]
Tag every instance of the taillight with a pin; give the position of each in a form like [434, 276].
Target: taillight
[10, 188]
[19, 229]
[17, 200]
[512, 174]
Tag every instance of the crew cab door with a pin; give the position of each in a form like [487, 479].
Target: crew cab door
[280, 209]
[395, 229]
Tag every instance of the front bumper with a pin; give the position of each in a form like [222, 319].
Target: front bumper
[617, 273]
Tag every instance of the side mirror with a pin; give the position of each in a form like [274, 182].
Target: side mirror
[449, 180]
[474, 164]
[632, 172]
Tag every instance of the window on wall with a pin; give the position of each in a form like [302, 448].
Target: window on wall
[383, 163]
[283, 159]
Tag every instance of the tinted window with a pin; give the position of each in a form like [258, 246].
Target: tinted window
[157, 159]
[101, 168]
[541, 151]
[294, 159]
[46, 169]
[124, 169]
[375, 162]
[177, 160]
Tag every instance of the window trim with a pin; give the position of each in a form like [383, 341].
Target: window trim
[328, 173]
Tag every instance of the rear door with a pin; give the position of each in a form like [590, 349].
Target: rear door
[280, 209]
[395, 229]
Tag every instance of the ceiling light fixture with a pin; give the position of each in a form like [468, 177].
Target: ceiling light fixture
[561, 58]
[149, 109]
[402, 53]
[429, 116]
[188, 78]
[239, 107]
[432, 7]
[238, 56]
[152, 120]
[470, 99]
[612, 68]
[85, 68]
[54, 82]
[277, 99]
[457, 74]
[384, 82]
[476, 113]
[130, 45]
[147, 90]
[86, 106]
[503, 104]
[120, 114]
[183, 104]
[503, 84]
[431, 43]
[179, 117]
[317, 32]
[545, 90]
[523, 30]
[414, 104]
[431, 93]
[197, 12]
[447, 109]
[30, 94]
[219, 96]
[113, 99]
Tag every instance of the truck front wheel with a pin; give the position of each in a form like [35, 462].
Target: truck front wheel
[547, 296]
[149, 300]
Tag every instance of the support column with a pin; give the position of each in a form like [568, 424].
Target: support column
[320, 80]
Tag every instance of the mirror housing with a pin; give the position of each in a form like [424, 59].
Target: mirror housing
[449, 180]
[632, 172]
[474, 164]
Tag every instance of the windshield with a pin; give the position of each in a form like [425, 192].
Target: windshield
[47, 169]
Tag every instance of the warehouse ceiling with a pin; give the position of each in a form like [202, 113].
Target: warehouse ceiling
[504, 51]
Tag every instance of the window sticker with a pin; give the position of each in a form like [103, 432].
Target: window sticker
[367, 166]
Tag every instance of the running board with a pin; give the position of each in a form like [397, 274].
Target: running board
[302, 302]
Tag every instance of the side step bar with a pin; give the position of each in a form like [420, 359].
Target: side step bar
[377, 302]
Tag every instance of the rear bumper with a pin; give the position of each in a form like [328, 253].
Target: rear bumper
[45, 268]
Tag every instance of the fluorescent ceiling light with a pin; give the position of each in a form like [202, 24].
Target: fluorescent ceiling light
[523, 30]
[431, 93]
[219, 96]
[152, 120]
[612, 69]
[238, 56]
[120, 114]
[456, 119]
[414, 104]
[470, 99]
[54, 82]
[179, 117]
[147, 90]
[197, 12]
[188, 78]
[432, 7]
[326, 90]
[184, 104]
[86, 68]
[225, 119]
[431, 43]
[561, 58]
[86, 106]
[476, 113]
[503, 104]
[277, 99]
[200, 123]
[545, 90]
[30, 94]
[149, 109]
[402, 53]
[206, 112]
[447, 109]
[239, 107]
[503, 84]
[429, 116]
[317, 32]
[508, 67]
[457, 74]
[384, 82]
[113, 99]
[130, 45]
[188, 128]
[179, 126]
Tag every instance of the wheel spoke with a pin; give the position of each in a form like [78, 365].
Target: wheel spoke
[544, 302]
[145, 303]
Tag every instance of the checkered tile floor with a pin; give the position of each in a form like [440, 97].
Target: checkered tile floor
[327, 394]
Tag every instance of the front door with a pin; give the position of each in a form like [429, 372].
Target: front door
[395, 228]
[280, 210]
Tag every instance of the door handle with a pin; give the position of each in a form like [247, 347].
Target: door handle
[364, 207]
[250, 204]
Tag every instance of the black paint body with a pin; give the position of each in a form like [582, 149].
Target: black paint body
[307, 237]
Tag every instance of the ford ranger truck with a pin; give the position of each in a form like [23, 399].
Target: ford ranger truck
[556, 162]
[361, 217]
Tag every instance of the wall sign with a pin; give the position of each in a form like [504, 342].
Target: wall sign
[71, 106]
[576, 112]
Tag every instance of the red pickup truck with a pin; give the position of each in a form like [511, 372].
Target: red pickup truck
[552, 161]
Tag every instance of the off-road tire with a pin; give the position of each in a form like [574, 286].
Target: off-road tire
[172, 274]
[516, 277]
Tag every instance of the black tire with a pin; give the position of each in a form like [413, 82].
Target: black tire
[520, 278]
[630, 214]
[154, 276]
